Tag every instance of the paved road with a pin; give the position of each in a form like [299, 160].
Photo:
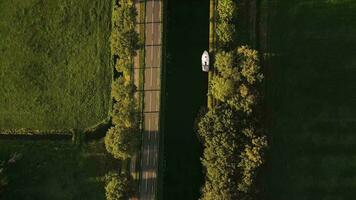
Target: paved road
[152, 92]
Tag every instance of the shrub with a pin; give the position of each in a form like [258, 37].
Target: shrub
[218, 132]
[226, 10]
[124, 38]
[225, 64]
[122, 143]
[251, 159]
[248, 63]
[238, 78]
[222, 88]
[225, 33]
[118, 186]
[124, 112]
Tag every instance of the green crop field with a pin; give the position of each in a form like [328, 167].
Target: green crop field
[56, 170]
[55, 66]
[310, 91]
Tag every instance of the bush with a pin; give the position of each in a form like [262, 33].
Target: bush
[225, 33]
[124, 112]
[122, 143]
[218, 131]
[233, 152]
[248, 63]
[124, 38]
[251, 159]
[238, 78]
[233, 144]
[118, 186]
[222, 88]
[226, 10]
[225, 63]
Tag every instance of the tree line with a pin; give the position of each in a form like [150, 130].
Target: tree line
[234, 140]
[122, 140]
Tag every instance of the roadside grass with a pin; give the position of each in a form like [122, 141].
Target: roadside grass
[56, 169]
[310, 91]
[55, 66]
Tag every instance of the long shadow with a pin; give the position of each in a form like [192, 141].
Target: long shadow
[186, 86]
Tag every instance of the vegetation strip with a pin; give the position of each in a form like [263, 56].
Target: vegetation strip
[123, 139]
[231, 131]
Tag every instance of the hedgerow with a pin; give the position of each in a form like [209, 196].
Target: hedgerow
[234, 140]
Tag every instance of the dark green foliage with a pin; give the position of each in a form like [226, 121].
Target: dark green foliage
[122, 142]
[238, 78]
[232, 155]
[124, 38]
[234, 142]
[251, 158]
[225, 32]
[118, 186]
[55, 70]
[225, 27]
[123, 139]
[225, 63]
[219, 135]
[125, 107]
[226, 10]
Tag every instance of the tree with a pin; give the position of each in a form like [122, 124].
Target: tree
[218, 132]
[238, 78]
[225, 33]
[251, 159]
[118, 186]
[226, 65]
[222, 88]
[226, 10]
[248, 63]
[124, 39]
[124, 112]
[121, 142]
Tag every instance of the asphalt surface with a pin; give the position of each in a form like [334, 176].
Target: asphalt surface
[152, 94]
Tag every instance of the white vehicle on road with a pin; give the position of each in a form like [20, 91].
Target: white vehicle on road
[205, 61]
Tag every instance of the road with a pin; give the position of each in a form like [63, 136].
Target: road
[152, 93]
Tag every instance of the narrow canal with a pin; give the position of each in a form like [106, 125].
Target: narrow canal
[186, 87]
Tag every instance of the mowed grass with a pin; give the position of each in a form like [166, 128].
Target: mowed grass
[55, 70]
[310, 91]
[56, 170]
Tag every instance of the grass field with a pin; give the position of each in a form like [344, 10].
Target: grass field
[55, 70]
[52, 170]
[310, 91]
[187, 38]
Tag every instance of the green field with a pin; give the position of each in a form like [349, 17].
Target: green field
[310, 93]
[55, 65]
[56, 170]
